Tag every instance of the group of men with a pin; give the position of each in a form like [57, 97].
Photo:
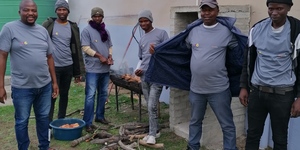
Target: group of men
[45, 59]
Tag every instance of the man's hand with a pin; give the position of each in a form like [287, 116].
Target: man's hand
[55, 90]
[244, 97]
[110, 60]
[3, 95]
[138, 72]
[151, 49]
[77, 79]
[295, 111]
[103, 59]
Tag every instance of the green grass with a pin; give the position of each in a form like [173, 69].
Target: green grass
[76, 102]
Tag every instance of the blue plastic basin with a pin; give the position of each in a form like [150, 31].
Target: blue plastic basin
[67, 134]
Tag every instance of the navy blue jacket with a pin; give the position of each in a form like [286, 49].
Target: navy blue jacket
[170, 64]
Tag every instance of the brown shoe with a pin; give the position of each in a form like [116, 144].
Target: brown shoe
[89, 129]
[103, 121]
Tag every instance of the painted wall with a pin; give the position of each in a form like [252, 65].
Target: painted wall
[121, 16]
[161, 9]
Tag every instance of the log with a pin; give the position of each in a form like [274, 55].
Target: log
[113, 146]
[79, 140]
[102, 135]
[113, 139]
[139, 136]
[127, 147]
[121, 130]
[157, 145]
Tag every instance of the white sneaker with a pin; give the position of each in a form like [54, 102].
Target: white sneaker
[156, 136]
[146, 138]
[151, 140]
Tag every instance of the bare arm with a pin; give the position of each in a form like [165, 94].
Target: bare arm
[3, 59]
[50, 62]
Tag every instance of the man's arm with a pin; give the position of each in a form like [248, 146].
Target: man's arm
[88, 50]
[3, 59]
[50, 62]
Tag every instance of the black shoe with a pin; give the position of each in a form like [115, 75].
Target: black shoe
[89, 129]
[188, 148]
[103, 121]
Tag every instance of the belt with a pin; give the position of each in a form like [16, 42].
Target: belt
[277, 90]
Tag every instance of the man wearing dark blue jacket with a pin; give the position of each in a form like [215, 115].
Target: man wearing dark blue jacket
[207, 53]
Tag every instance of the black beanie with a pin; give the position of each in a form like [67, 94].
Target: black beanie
[288, 2]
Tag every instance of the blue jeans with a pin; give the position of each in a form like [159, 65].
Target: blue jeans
[95, 82]
[151, 92]
[220, 104]
[23, 100]
[64, 77]
[279, 107]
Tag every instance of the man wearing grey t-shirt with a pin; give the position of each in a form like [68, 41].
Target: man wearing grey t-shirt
[33, 77]
[67, 54]
[271, 75]
[97, 47]
[151, 91]
[210, 83]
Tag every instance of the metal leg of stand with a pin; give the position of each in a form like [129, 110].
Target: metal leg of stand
[140, 107]
[131, 96]
[117, 101]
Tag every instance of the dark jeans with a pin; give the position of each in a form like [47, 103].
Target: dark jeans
[64, 77]
[279, 107]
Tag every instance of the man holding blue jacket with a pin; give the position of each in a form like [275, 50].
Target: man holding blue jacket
[210, 41]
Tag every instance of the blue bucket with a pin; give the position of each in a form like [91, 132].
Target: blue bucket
[67, 134]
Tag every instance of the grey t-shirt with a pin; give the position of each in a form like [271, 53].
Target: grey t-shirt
[91, 37]
[28, 47]
[61, 38]
[209, 45]
[155, 37]
[273, 66]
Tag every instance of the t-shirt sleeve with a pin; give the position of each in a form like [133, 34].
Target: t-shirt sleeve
[6, 39]
[165, 36]
[50, 45]
[109, 39]
[85, 38]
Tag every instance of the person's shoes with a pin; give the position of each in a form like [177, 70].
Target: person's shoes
[156, 136]
[52, 148]
[103, 121]
[89, 129]
[151, 140]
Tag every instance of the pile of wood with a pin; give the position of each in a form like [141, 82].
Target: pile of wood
[130, 78]
[129, 138]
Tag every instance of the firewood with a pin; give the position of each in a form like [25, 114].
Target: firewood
[136, 131]
[79, 140]
[121, 130]
[127, 147]
[139, 136]
[157, 145]
[103, 134]
[113, 146]
[113, 139]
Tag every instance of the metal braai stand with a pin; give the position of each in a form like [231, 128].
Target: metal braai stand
[134, 87]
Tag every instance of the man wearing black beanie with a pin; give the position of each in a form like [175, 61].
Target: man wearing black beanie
[271, 75]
